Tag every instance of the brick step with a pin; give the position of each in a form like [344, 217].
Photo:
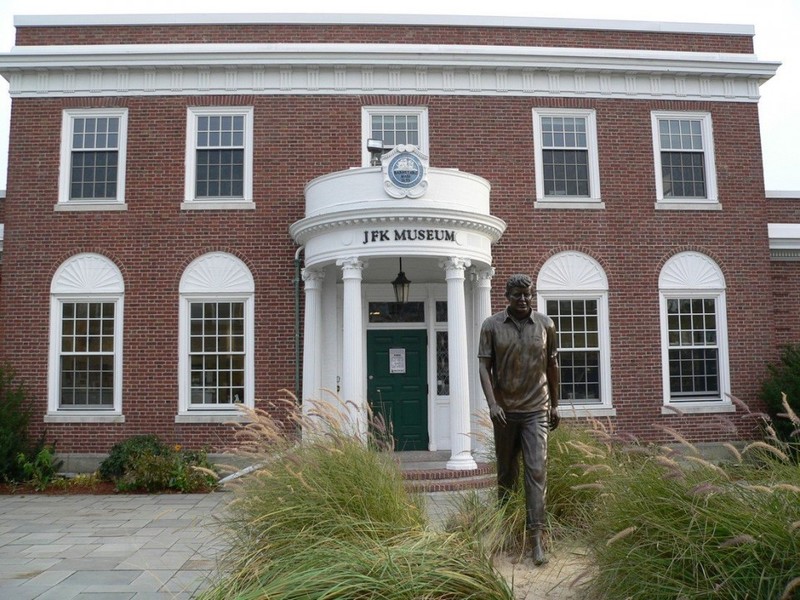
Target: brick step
[413, 474]
[439, 479]
[453, 484]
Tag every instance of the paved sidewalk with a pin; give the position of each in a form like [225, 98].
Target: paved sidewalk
[121, 547]
[165, 547]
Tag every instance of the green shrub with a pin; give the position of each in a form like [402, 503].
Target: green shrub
[784, 378]
[123, 454]
[14, 419]
[146, 463]
[40, 470]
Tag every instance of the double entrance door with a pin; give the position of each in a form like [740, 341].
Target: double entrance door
[397, 384]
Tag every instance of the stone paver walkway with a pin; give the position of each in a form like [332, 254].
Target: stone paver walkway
[122, 547]
[165, 547]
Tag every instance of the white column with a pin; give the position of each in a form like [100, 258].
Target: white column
[312, 338]
[481, 309]
[353, 347]
[460, 442]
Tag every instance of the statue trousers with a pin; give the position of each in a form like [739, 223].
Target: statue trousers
[526, 434]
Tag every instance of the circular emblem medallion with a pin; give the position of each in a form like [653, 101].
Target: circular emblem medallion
[405, 170]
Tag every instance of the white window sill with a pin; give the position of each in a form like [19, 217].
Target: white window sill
[568, 411]
[77, 206]
[571, 204]
[231, 417]
[218, 205]
[697, 408]
[688, 205]
[83, 418]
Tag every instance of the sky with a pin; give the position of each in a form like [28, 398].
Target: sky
[776, 23]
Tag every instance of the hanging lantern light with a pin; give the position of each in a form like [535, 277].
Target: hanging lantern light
[401, 285]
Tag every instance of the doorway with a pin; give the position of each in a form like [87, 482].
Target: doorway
[397, 384]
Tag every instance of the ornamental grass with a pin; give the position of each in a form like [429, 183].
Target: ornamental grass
[698, 531]
[661, 522]
[330, 518]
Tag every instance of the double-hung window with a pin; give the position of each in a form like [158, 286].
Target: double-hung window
[85, 373]
[219, 157]
[573, 291]
[683, 145]
[566, 162]
[694, 334]
[394, 125]
[216, 322]
[93, 148]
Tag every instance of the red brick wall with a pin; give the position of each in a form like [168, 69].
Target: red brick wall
[153, 241]
[785, 277]
[503, 36]
[2, 220]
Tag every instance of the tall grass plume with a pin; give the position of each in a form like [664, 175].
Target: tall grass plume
[329, 517]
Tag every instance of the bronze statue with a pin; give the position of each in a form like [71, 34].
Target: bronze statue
[519, 375]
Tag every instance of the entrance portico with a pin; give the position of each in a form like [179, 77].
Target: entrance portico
[358, 224]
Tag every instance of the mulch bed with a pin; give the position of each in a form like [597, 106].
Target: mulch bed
[97, 488]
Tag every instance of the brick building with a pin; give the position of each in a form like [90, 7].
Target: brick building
[194, 219]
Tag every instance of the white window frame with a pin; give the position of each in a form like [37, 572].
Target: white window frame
[191, 202]
[214, 277]
[64, 203]
[367, 112]
[84, 278]
[594, 199]
[572, 275]
[711, 201]
[694, 275]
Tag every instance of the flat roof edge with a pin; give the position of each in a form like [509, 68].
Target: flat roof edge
[378, 19]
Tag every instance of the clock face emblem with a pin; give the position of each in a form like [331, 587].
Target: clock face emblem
[405, 170]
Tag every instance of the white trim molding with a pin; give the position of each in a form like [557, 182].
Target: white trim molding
[593, 198]
[245, 201]
[65, 201]
[571, 276]
[214, 277]
[711, 199]
[367, 112]
[378, 19]
[355, 69]
[85, 278]
[784, 241]
[695, 276]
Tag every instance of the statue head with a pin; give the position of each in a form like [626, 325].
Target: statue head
[519, 293]
[518, 280]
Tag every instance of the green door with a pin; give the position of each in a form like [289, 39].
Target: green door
[397, 384]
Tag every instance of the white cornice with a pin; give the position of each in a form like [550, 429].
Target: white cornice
[784, 241]
[379, 19]
[783, 194]
[380, 68]
[486, 225]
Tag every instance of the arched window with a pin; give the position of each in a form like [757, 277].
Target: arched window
[85, 366]
[572, 290]
[694, 334]
[216, 336]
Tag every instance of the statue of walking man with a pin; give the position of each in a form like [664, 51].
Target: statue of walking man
[520, 379]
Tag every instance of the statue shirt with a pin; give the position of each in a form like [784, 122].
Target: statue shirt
[520, 352]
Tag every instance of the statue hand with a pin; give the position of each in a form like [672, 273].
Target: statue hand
[497, 413]
[555, 418]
